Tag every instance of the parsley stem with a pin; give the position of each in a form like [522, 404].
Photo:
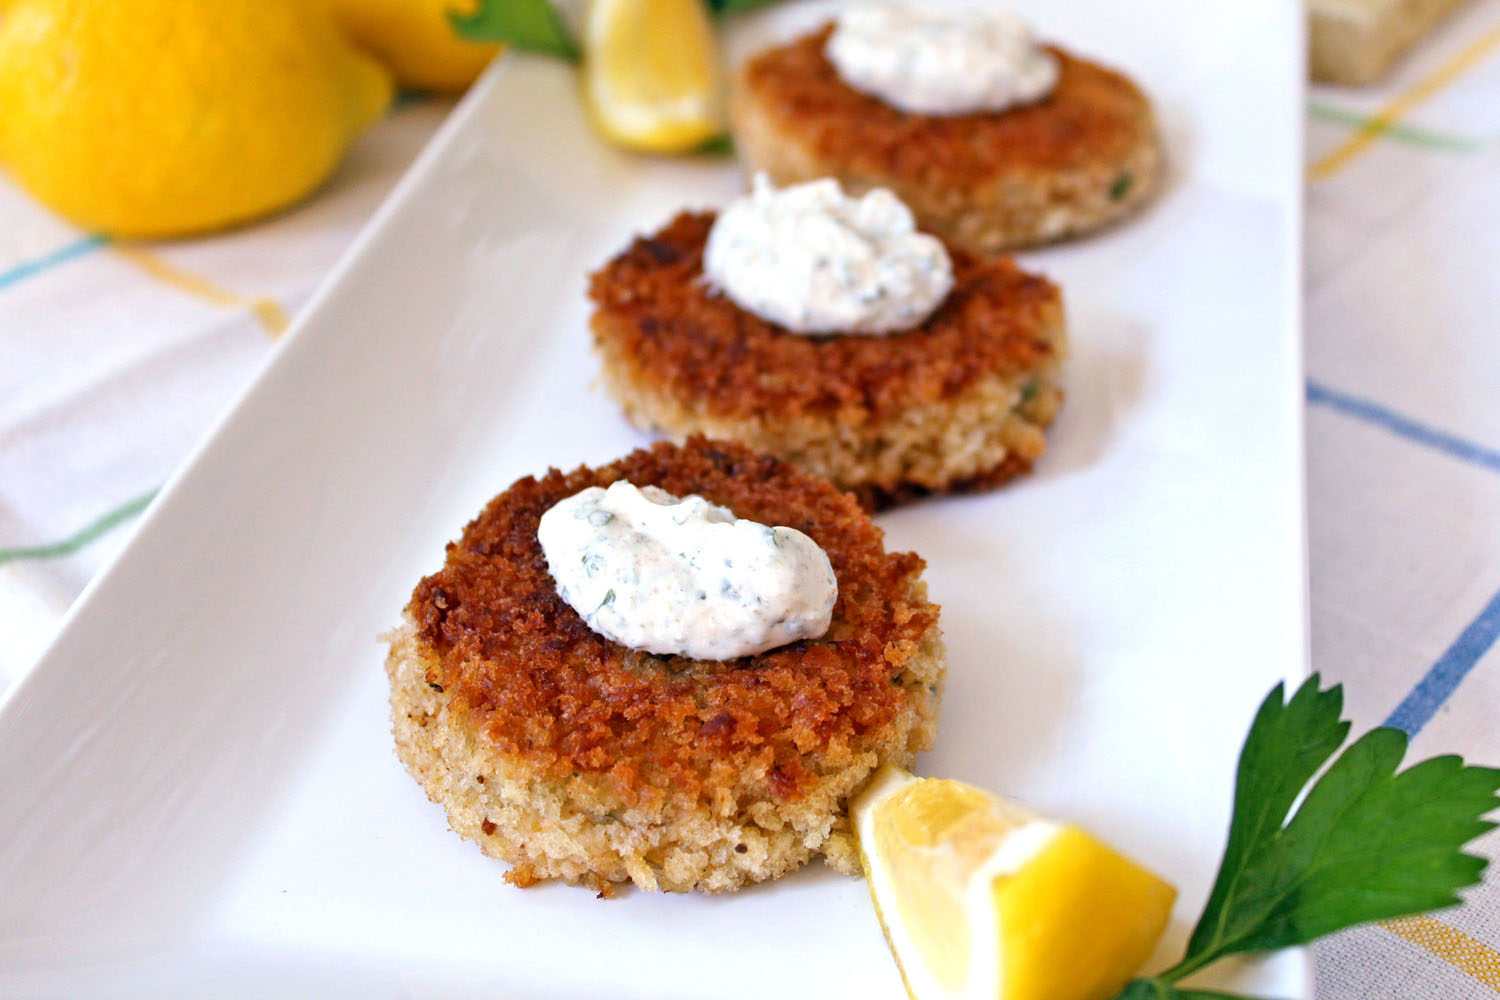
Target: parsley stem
[1187, 967]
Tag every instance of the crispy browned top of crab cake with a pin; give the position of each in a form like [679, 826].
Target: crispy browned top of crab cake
[1093, 116]
[691, 342]
[543, 687]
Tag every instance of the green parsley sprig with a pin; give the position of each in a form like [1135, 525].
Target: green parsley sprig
[1366, 844]
[534, 25]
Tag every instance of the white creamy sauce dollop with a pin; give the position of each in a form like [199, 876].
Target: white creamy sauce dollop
[684, 576]
[816, 261]
[941, 61]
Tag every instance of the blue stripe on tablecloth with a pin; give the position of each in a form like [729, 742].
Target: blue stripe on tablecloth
[1418, 708]
[1430, 437]
[61, 255]
[1444, 677]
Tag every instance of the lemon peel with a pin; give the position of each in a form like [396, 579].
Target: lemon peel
[156, 118]
[979, 898]
[416, 40]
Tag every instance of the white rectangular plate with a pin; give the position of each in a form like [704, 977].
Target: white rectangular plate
[198, 794]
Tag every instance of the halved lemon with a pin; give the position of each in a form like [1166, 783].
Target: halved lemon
[651, 73]
[980, 898]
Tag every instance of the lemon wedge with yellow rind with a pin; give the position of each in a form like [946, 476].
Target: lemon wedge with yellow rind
[651, 74]
[980, 898]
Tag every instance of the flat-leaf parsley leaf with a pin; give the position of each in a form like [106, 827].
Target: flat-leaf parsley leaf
[1155, 989]
[1367, 843]
[535, 25]
[527, 24]
[730, 6]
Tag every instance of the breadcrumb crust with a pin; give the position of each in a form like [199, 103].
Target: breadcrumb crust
[960, 402]
[574, 758]
[1082, 158]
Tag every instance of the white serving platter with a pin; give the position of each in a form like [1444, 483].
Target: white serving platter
[198, 794]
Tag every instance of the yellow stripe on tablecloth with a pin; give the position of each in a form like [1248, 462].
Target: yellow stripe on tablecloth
[267, 311]
[1451, 945]
[1461, 63]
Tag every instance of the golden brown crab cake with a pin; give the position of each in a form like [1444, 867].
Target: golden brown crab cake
[573, 757]
[960, 402]
[1077, 160]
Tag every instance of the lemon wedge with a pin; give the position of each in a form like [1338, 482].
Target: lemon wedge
[980, 898]
[651, 73]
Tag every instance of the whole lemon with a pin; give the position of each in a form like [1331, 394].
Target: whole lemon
[161, 117]
[415, 39]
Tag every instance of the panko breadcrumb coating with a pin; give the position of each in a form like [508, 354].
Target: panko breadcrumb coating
[573, 757]
[960, 402]
[1084, 156]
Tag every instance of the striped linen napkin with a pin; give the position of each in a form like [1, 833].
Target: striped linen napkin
[1403, 427]
[116, 359]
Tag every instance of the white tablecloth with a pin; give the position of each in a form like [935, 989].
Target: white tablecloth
[115, 360]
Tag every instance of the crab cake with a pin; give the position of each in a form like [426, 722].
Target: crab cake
[1078, 159]
[573, 757]
[959, 402]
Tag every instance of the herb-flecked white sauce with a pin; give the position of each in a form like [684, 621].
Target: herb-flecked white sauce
[941, 61]
[815, 261]
[684, 576]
